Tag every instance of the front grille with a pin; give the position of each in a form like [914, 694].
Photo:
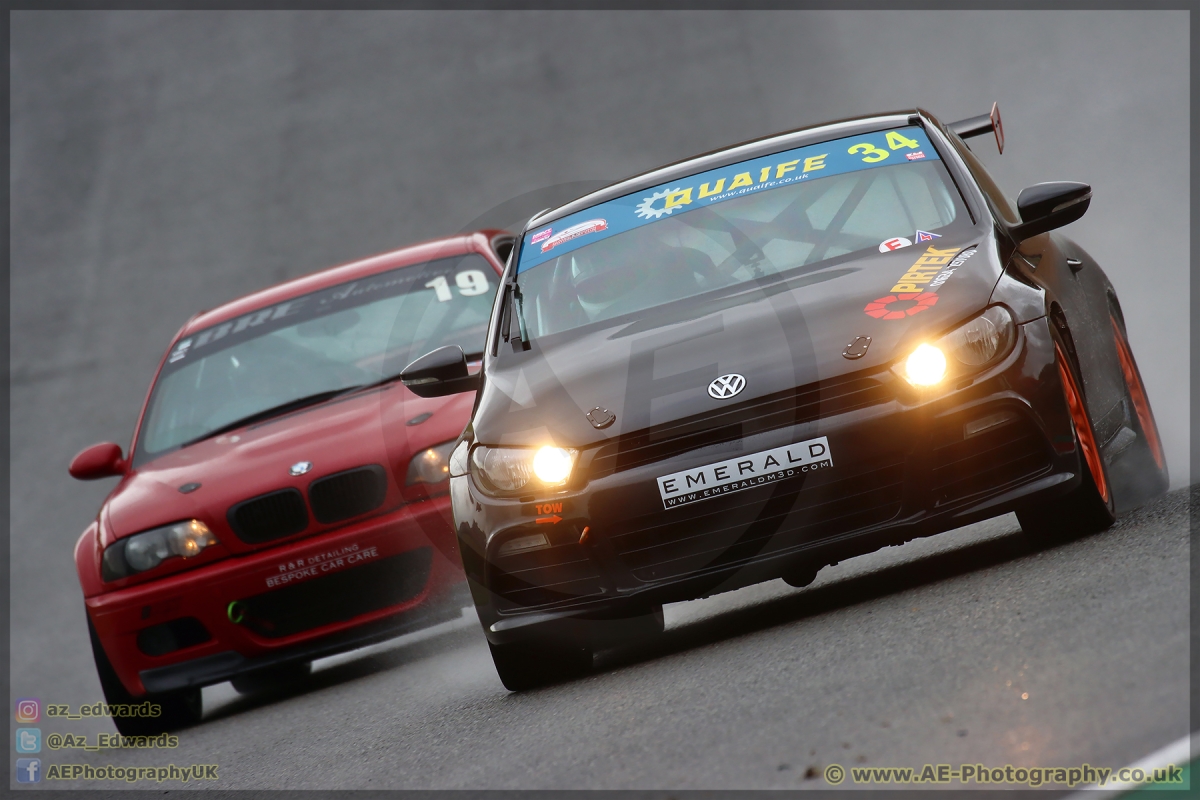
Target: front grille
[338, 596]
[158, 640]
[554, 575]
[268, 516]
[1004, 456]
[347, 494]
[757, 527]
[731, 423]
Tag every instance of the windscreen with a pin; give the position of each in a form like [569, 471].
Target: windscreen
[796, 210]
[346, 336]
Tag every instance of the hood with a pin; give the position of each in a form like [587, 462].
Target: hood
[367, 428]
[656, 369]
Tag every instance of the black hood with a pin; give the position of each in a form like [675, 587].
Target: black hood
[655, 367]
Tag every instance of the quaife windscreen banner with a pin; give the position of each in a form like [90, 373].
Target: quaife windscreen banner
[865, 151]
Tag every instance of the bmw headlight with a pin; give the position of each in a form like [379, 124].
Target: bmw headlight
[431, 465]
[146, 550]
[520, 470]
[967, 348]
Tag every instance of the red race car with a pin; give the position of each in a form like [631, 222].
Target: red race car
[285, 496]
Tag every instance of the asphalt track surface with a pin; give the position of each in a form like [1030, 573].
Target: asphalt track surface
[167, 162]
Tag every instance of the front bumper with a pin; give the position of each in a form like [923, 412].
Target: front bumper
[904, 465]
[361, 583]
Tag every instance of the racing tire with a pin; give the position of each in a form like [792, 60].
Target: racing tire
[177, 709]
[271, 679]
[1090, 506]
[538, 662]
[1139, 472]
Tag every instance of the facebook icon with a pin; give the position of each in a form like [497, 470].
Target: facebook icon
[29, 770]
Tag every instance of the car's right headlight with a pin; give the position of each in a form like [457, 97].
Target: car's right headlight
[146, 550]
[968, 348]
[510, 471]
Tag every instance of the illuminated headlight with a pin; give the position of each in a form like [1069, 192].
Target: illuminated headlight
[146, 550]
[925, 366]
[431, 465]
[517, 470]
[965, 349]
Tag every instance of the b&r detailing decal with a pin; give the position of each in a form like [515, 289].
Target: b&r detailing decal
[850, 154]
[744, 472]
[917, 288]
[329, 561]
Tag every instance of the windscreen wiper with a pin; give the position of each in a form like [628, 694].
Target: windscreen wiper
[513, 299]
[274, 411]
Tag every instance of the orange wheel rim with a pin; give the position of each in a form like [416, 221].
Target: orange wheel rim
[1083, 427]
[1137, 392]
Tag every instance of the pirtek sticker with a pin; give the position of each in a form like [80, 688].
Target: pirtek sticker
[926, 268]
[917, 289]
[744, 472]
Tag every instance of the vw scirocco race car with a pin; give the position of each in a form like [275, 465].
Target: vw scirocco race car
[284, 497]
[763, 360]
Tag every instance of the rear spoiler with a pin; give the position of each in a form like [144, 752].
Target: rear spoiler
[977, 126]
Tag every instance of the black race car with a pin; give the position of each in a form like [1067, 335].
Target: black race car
[768, 358]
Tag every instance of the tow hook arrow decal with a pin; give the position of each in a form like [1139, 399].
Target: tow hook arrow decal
[551, 520]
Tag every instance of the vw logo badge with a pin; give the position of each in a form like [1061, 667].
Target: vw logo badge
[726, 386]
[299, 468]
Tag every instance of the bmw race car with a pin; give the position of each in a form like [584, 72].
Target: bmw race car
[759, 361]
[284, 497]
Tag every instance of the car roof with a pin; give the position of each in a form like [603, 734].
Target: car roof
[475, 242]
[724, 156]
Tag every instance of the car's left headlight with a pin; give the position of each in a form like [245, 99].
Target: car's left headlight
[510, 471]
[431, 465]
[968, 348]
[146, 550]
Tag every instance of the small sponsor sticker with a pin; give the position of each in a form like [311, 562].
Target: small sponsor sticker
[574, 232]
[926, 236]
[893, 244]
[744, 472]
[541, 236]
[917, 156]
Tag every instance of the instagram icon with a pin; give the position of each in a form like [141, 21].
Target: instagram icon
[29, 709]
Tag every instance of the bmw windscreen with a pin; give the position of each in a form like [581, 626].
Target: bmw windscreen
[753, 222]
[313, 347]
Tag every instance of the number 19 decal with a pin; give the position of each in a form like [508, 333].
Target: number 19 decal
[470, 283]
[873, 154]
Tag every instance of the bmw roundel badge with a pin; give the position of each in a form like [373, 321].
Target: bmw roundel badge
[299, 468]
[727, 386]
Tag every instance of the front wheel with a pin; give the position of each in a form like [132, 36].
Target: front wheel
[537, 662]
[176, 709]
[1089, 507]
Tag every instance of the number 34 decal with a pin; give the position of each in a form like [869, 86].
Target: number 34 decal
[873, 154]
[470, 283]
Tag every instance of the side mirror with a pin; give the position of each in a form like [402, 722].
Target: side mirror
[1046, 206]
[439, 373]
[98, 461]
